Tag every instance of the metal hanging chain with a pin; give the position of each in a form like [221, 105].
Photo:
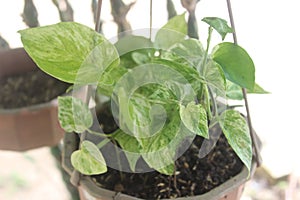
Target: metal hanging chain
[252, 134]
[76, 175]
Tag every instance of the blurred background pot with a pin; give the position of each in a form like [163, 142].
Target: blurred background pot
[27, 127]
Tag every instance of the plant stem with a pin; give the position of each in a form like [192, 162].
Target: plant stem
[252, 134]
[214, 102]
[208, 101]
[103, 143]
[99, 134]
[202, 67]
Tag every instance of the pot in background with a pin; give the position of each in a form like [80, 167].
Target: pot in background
[27, 127]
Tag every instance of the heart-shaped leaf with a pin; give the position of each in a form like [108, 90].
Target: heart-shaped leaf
[194, 117]
[88, 160]
[236, 64]
[220, 25]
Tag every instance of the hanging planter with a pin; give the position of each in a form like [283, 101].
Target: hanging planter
[167, 97]
[24, 125]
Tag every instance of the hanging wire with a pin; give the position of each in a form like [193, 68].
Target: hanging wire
[252, 134]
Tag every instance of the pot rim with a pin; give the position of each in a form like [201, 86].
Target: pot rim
[218, 192]
[49, 104]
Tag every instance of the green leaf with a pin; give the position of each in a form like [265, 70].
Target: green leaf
[131, 43]
[74, 115]
[194, 118]
[88, 160]
[236, 64]
[191, 50]
[69, 51]
[140, 58]
[215, 77]
[159, 151]
[108, 81]
[220, 25]
[236, 131]
[190, 74]
[174, 31]
[258, 90]
[130, 145]
[234, 91]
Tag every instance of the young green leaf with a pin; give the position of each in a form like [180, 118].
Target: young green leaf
[88, 160]
[130, 145]
[174, 31]
[220, 25]
[236, 130]
[74, 115]
[61, 50]
[236, 64]
[233, 91]
[194, 117]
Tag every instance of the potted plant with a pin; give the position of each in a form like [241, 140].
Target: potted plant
[161, 127]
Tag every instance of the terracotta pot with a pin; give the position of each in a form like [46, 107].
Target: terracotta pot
[28, 127]
[232, 189]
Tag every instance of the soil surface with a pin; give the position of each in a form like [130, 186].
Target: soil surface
[29, 89]
[194, 176]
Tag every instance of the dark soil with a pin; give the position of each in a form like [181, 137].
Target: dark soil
[29, 89]
[194, 176]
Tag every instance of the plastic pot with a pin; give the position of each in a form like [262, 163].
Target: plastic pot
[28, 127]
[232, 189]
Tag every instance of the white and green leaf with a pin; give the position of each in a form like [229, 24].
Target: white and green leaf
[74, 115]
[174, 31]
[220, 25]
[194, 117]
[130, 145]
[235, 129]
[88, 160]
[69, 51]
